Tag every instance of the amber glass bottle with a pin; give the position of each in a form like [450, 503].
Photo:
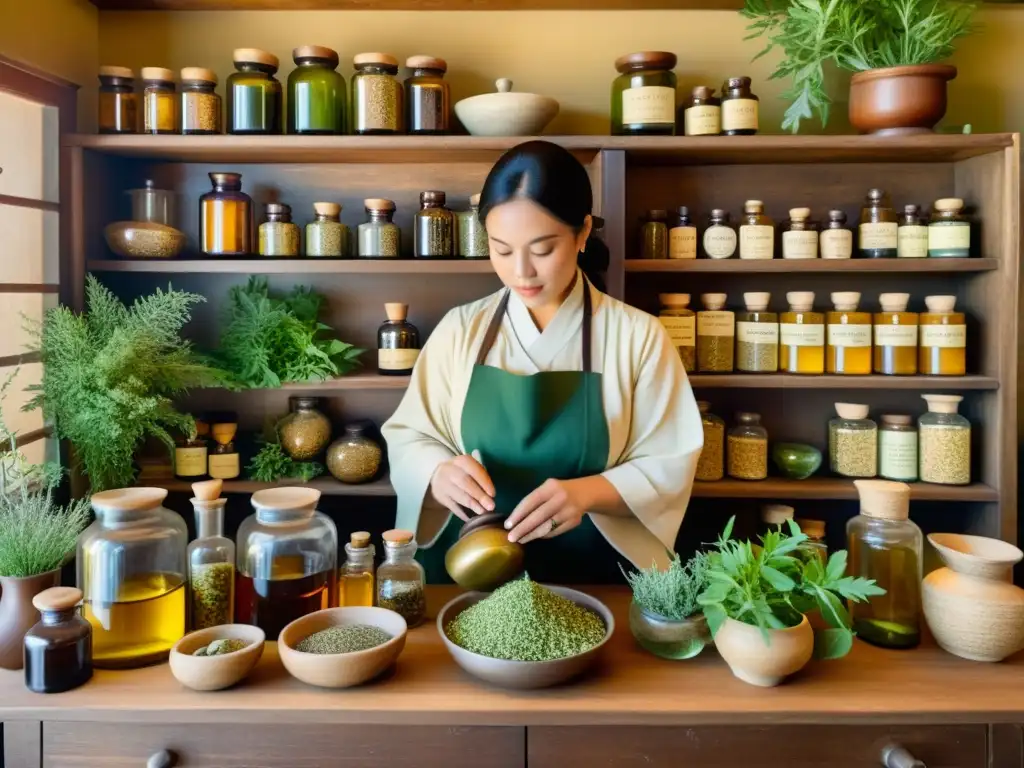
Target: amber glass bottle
[757, 232]
[225, 217]
[801, 335]
[943, 350]
[740, 108]
[849, 336]
[895, 336]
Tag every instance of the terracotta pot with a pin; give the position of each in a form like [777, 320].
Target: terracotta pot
[752, 661]
[972, 608]
[897, 101]
[18, 615]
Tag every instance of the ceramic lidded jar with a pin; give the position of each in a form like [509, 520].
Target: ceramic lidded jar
[506, 113]
[483, 558]
[354, 457]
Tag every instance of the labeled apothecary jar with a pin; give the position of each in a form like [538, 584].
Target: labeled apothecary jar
[949, 231]
[757, 232]
[897, 448]
[945, 442]
[716, 335]
[800, 238]
[836, 239]
[740, 108]
[433, 227]
[719, 239]
[159, 104]
[702, 114]
[379, 237]
[682, 236]
[398, 342]
[942, 349]
[355, 457]
[377, 96]
[400, 578]
[305, 431]
[473, 242]
[118, 104]
[895, 336]
[757, 335]
[279, 235]
[644, 95]
[747, 448]
[427, 96]
[211, 567]
[255, 97]
[225, 217]
[224, 462]
[326, 236]
[287, 560]
[879, 229]
[132, 570]
[316, 92]
[853, 442]
[200, 104]
[911, 234]
[711, 464]
[681, 324]
[58, 649]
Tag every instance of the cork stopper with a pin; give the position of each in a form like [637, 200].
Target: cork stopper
[883, 499]
[426, 62]
[157, 74]
[845, 301]
[949, 204]
[800, 301]
[255, 56]
[776, 514]
[331, 210]
[753, 206]
[199, 75]
[378, 204]
[474, 200]
[207, 490]
[315, 52]
[397, 537]
[359, 539]
[894, 302]
[713, 301]
[703, 92]
[799, 214]
[57, 599]
[940, 304]
[757, 302]
[852, 410]
[815, 529]
[897, 419]
[128, 499]
[376, 57]
[395, 311]
[703, 406]
[942, 403]
[674, 300]
[122, 72]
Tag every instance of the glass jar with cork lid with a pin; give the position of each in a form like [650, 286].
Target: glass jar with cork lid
[879, 235]
[848, 350]
[747, 448]
[225, 221]
[473, 242]
[379, 238]
[945, 442]
[680, 322]
[800, 240]
[255, 98]
[377, 96]
[943, 338]
[398, 342]
[757, 232]
[118, 105]
[801, 336]
[702, 113]
[897, 448]
[279, 235]
[433, 228]
[316, 92]
[853, 442]
[211, 561]
[357, 574]
[644, 95]
[400, 578]
[740, 108]
[427, 96]
[200, 104]
[757, 335]
[719, 240]
[911, 234]
[895, 336]
[711, 464]
[949, 231]
[326, 236]
[716, 335]
[159, 105]
[836, 239]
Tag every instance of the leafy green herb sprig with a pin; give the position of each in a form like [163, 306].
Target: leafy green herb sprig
[271, 464]
[671, 593]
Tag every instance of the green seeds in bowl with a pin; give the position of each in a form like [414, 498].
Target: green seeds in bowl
[344, 639]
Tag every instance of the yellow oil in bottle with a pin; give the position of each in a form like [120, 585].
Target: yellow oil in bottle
[356, 585]
[356, 589]
[943, 342]
[890, 620]
[848, 350]
[895, 336]
[801, 336]
[140, 627]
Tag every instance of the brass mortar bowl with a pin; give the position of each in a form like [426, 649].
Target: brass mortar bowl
[483, 558]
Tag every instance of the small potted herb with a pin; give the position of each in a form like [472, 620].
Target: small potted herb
[758, 597]
[665, 617]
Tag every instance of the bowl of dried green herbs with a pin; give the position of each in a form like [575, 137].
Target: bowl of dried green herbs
[217, 657]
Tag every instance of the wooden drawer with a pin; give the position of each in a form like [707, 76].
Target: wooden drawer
[108, 745]
[753, 747]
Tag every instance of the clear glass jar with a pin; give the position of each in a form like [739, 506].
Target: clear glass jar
[800, 239]
[682, 237]
[801, 336]
[897, 448]
[747, 453]
[355, 457]
[225, 217]
[879, 230]
[356, 577]
[942, 349]
[377, 96]
[836, 239]
[153, 205]
[279, 236]
[132, 571]
[305, 431]
[118, 105]
[398, 342]
[326, 236]
[853, 442]
[716, 335]
[680, 322]
[287, 560]
[644, 95]
[702, 114]
[885, 545]
[654, 235]
[255, 97]
[711, 464]
[757, 335]
[58, 649]
[200, 104]
[944, 442]
[400, 579]
[815, 545]
[211, 568]
[740, 108]
[159, 105]
[427, 96]
[911, 234]
[757, 232]
[719, 239]
[473, 243]
[848, 336]
[949, 231]
[316, 92]
[895, 336]
[433, 228]
[379, 238]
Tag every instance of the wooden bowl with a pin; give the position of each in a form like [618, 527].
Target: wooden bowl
[212, 673]
[341, 670]
[143, 240]
[525, 674]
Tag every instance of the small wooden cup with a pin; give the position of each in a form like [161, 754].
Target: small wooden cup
[212, 673]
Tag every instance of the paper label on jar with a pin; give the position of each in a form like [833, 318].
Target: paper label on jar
[849, 335]
[947, 236]
[757, 333]
[882, 234]
[682, 243]
[836, 244]
[801, 335]
[799, 245]
[682, 330]
[705, 120]
[190, 462]
[397, 359]
[719, 242]
[944, 336]
[739, 115]
[912, 242]
[649, 105]
[896, 335]
[224, 466]
[716, 323]
[897, 454]
[757, 241]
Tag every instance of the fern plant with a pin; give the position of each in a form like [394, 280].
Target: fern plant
[855, 35]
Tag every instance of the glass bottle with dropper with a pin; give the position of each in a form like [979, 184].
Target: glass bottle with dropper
[211, 560]
[357, 587]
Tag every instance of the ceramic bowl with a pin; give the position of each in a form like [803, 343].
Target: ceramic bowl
[341, 670]
[212, 673]
[144, 240]
[796, 461]
[506, 113]
[524, 674]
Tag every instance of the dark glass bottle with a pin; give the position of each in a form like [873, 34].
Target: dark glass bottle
[118, 104]
[225, 217]
[254, 94]
[434, 228]
[702, 114]
[912, 235]
[58, 650]
[427, 96]
[836, 239]
[740, 108]
[316, 92]
[398, 342]
[644, 95]
[878, 228]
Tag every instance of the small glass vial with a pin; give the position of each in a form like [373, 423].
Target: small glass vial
[225, 220]
[886, 546]
[680, 322]
[118, 104]
[356, 587]
[326, 236]
[719, 239]
[739, 108]
[255, 97]
[473, 242]
[427, 96]
[654, 236]
[716, 335]
[897, 448]
[800, 240]
[398, 342]
[949, 232]
[379, 238]
[815, 545]
[944, 448]
[879, 236]
[895, 336]
[757, 232]
[223, 462]
[682, 237]
[190, 457]
[836, 240]
[711, 464]
[377, 96]
[400, 578]
[279, 236]
[801, 336]
[848, 335]
[200, 104]
[211, 565]
[853, 442]
[702, 114]
[159, 108]
[433, 228]
[757, 336]
[316, 92]
[912, 234]
[58, 649]
[943, 340]
[747, 452]
[644, 95]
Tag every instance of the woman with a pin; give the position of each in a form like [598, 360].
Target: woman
[548, 401]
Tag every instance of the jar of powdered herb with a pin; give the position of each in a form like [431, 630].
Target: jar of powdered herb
[400, 578]
[945, 442]
[853, 442]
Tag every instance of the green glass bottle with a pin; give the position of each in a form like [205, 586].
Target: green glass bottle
[316, 92]
[254, 94]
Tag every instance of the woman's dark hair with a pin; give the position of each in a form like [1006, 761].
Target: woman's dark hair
[551, 177]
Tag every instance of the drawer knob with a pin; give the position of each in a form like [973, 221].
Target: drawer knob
[895, 756]
[161, 759]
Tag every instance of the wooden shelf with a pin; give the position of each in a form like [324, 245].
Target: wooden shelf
[811, 266]
[416, 5]
[311, 266]
[326, 484]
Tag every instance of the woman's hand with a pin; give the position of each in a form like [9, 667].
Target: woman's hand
[462, 484]
[554, 508]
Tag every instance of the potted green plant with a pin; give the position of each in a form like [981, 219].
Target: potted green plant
[758, 597]
[664, 616]
[894, 47]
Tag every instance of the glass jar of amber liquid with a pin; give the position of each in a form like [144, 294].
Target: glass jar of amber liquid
[427, 96]
[757, 335]
[225, 217]
[316, 92]
[356, 587]
[912, 234]
[949, 232]
[895, 336]
[757, 232]
[800, 240]
[200, 104]
[836, 239]
[644, 95]
[740, 108]
[279, 235]
[159, 105]
[118, 104]
[681, 323]
[254, 95]
[377, 96]
[848, 336]
[702, 114]
[879, 237]
[801, 335]
[943, 341]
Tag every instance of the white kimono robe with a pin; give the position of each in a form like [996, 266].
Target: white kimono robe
[655, 433]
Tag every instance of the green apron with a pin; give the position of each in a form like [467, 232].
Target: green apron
[529, 429]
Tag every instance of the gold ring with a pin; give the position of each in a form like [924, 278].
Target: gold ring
[554, 524]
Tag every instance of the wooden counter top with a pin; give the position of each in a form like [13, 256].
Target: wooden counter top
[629, 687]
